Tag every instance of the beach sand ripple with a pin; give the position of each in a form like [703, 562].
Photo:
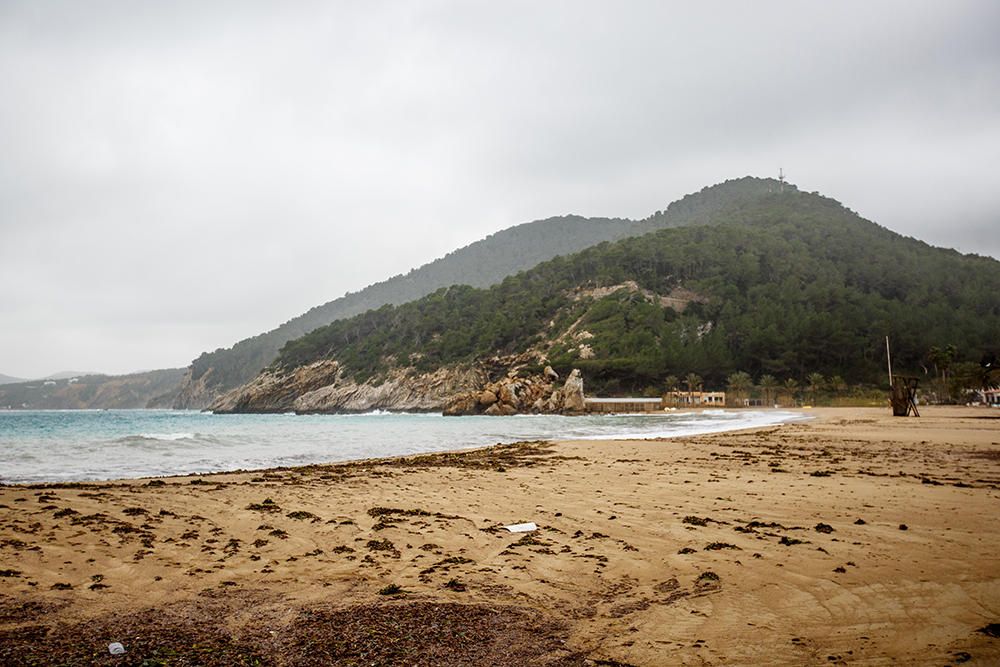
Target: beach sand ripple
[780, 545]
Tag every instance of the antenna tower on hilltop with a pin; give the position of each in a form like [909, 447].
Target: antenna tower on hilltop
[781, 179]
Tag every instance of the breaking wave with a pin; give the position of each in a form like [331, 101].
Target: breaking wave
[167, 436]
[118, 444]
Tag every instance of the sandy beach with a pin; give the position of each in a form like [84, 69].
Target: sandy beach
[852, 538]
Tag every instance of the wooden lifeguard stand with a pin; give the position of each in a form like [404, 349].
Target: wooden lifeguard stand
[902, 390]
[903, 396]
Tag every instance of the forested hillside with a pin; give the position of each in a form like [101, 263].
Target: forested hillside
[480, 264]
[784, 283]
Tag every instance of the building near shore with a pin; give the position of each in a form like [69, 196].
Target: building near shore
[716, 399]
[989, 396]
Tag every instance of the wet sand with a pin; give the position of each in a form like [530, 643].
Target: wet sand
[854, 538]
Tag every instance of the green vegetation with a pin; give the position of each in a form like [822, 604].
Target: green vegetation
[790, 284]
[769, 387]
[480, 264]
[739, 385]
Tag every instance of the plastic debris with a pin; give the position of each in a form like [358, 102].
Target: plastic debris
[522, 527]
[115, 648]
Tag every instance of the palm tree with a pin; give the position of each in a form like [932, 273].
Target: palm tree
[768, 383]
[791, 387]
[740, 384]
[694, 383]
[816, 382]
[949, 355]
[934, 356]
[941, 359]
[671, 382]
[838, 385]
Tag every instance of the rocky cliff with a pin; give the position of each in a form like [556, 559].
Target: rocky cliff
[480, 264]
[323, 387]
[494, 386]
[195, 394]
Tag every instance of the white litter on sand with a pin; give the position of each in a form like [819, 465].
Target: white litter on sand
[522, 527]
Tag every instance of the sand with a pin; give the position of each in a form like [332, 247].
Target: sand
[853, 538]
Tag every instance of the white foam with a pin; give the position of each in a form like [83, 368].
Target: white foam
[689, 427]
[389, 413]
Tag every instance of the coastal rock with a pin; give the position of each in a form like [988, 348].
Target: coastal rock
[196, 394]
[463, 404]
[501, 410]
[322, 387]
[550, 374]
[518, 394]
[507, 392]
[572, 393]
[495, 386]
[276, 390]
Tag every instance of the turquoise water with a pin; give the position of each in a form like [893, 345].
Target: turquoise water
[76, 445]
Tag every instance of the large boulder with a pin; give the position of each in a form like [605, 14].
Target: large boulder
[514, 394]
[572, 393]
[462, 404]
[554, 404]
[510, 391]
[500, 410]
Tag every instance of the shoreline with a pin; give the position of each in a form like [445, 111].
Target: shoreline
[796, 414]
[737, 547]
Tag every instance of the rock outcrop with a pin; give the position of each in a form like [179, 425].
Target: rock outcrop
[323, 387]
[572, 393]
[494, 386]
[195, 394]
[515, 394]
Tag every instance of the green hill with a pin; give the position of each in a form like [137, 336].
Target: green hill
[480, 264]
[151, 389]
[783, 283]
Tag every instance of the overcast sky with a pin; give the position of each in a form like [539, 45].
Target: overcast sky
[177, 176]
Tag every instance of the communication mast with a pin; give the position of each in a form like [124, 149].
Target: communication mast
[781, 179]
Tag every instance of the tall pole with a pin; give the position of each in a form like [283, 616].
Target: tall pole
[888, 359]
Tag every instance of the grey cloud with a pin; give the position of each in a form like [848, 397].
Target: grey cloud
[176, 176]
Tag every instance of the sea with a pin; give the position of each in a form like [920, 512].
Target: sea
[84, 445]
